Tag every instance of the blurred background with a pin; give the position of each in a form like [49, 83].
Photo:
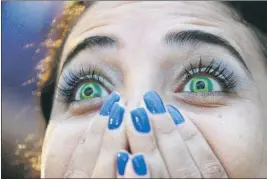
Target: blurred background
[24, 28]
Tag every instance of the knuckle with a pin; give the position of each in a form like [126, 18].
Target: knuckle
[166, 130]
[188, 132]
[68, 174]
[76, 174]
[145, 144]
[148, 147]
[164, 125]
[212, 169]
[191, 172]
[189, 135]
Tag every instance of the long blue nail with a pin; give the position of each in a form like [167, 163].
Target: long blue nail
[106, 107]
[115, 117]
[139, 165]
[140, 120]
[122, 159]
[176, 115]
[154, 103]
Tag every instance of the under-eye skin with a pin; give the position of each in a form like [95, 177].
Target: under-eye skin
[83, 87]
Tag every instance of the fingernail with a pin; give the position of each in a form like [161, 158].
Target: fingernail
[154, 103]
[140, 120]
[176, 115]
[115, 117]
[139, 165]
[122, 159]
[106, 107]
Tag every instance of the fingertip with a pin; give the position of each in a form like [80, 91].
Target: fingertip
[122, 159]
[116, 116]
[140, 120]
[175, 114]
[154, 103]
[108, 104]
[139, 165]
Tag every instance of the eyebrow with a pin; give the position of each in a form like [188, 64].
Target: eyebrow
[197, 36]
[189, 36]
[91, 42]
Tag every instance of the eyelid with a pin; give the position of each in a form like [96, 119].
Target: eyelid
[213, 68]
[93, 72]
[100, 79]
[70, 81]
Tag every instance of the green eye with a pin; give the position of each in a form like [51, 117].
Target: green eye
[90, 90]
[202, 84]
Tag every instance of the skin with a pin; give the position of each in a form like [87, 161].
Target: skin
[231, 134]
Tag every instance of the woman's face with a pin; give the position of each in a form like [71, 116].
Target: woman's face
[194, 54]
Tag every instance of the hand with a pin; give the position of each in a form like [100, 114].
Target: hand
[129, 166]
[172, 144]
[88, 150]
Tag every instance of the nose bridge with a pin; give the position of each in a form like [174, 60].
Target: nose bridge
[138, 80]
[140, 66]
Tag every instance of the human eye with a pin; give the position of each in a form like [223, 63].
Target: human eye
[86, 88]
[207, 84]
[89, 90]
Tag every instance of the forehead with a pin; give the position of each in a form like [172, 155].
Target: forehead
[146, 22]
[145, 14]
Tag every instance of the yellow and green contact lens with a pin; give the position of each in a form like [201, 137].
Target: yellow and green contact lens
[202, 84]
[90, 90]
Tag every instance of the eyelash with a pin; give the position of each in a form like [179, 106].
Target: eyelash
[74, 79]
[216, 71]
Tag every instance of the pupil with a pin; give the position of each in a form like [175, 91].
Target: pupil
[88, 91]
[200, 85]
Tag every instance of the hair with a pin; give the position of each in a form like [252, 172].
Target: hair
[252, 14]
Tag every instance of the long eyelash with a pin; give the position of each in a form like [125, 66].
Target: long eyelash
[214, 70]
[200, 64]
[73, 79]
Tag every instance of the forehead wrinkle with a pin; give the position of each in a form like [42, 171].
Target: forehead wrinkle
[103, 12]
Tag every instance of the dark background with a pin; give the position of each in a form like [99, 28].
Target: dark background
[24, 27]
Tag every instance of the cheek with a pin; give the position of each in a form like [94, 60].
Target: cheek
[235, 134]
[61, 139]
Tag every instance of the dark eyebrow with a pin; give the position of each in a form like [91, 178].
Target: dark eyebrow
[197, 36]
[91, 43]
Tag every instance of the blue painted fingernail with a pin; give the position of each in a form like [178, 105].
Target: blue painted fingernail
[139, 165]
[122, 159]
[176, 115]
[154, 103]
[106, 107]
[115, 117]
[140, 120]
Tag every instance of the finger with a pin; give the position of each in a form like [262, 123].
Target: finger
[171, 145]
[113, 141]
[142, 140]
[204, 157]
[122, 159]
[54, 161]
[137, 167]
[85, 155]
